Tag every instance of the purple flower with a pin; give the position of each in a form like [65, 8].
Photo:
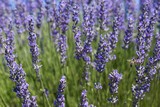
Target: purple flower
[75, 16]
[49, 11]
[40, 13]
[98, 86]
[78, 42]
[142, 84]
[62, 48]
[31, 6]
[117, 24]
[60, 100]
[84, 100]
[17, 74]
[150, 29]
[20, 16]
[114, 78]
[64, 15]
[88, 28]
[102, 55]
[142, 34]
[103, 11]
[33, 45]
[129, 32]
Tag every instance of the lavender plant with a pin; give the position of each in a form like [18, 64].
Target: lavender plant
[60, 100]
[114, 78]
[33, 45]
[84, 100]
[103, 54]
[130, 17]
[87, 37]
[17, 74]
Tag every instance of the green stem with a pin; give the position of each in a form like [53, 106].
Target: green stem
[44, 93]
[42, 85]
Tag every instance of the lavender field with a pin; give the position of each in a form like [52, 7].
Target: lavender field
[79, 53]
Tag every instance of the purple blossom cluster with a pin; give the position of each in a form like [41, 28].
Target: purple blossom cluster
[87, 23]
[88, 27]
[130, 27]
[102, 55]
[98, 86]
[17, 74]
[40, 13]
[141, 87]
[60, 100]
[142, 27]
[84, 100]
[62, 45]
[103, 11]
[33, 45]
[114, 78]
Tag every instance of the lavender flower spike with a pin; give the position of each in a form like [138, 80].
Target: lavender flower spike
[141, 87]
[17, 74]
[33, 45]
[102, 55]
[114, 78]
[84, 100]
[129, 32]
[62, 48]
[60, 101]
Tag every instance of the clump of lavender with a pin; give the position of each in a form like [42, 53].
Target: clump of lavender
[130, 16]
[62, 46]
[17, 74]
[40, 13]
[49, 11]
[76, 31]
[60, 100]
[75, 16]
[18, 22]
[55, 26]
[63, 23]
[89, 30]
[22, 13]
[33, 45]
[113, 38]
[78, 42]
[103, 12]
[153, 61]
[19, 15]
[145, 75]
[102, 55]
[142, 26]
[150, 28]
[31, 7]
[114, 78]
[84, 100]
[141, 87]
[64, 15]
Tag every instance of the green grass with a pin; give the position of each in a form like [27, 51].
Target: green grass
[51, 72]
